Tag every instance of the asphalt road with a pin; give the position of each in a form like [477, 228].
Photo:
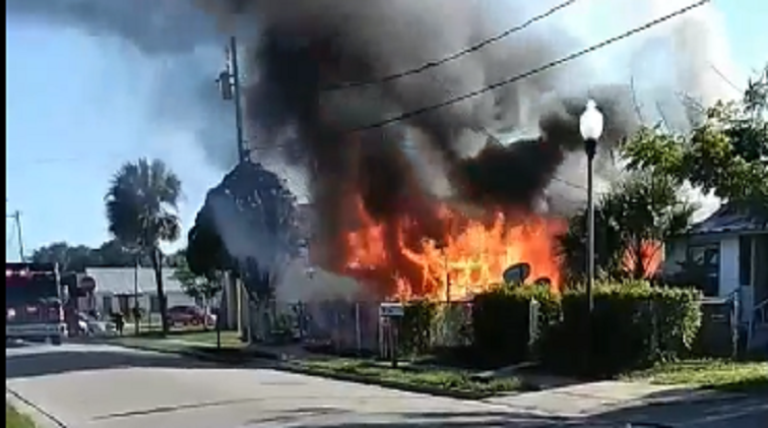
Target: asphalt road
[100, 386]
[109, 387]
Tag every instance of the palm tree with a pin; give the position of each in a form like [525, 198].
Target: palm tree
[641, 211]
[141, 210]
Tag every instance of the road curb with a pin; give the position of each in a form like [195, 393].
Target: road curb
[283, 363]
[463, 395]
[35, 413]
[204, 356]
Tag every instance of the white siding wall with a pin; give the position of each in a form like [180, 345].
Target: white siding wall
[174, 298]
[729, 265]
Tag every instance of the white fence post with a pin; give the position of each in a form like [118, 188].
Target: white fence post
[358, 332]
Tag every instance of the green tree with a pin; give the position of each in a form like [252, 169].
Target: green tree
[247, 226]
[70, 258]
[200, 288]
[76, 258]
[631, 220]
[726, 154]
[141, 204]
[250, 205]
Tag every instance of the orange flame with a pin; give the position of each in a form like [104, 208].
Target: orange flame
[650, 255]
[469, 258]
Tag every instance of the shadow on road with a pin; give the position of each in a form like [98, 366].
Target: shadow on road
[426, 420]
[730, 411]
[734, 412]
[58, 361]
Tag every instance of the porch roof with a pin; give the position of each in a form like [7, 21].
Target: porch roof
[728, 219]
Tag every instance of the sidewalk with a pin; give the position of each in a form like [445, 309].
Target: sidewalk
[558, 397]
[594, 398]
[562, 397]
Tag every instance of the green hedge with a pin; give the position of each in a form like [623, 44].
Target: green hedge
[416, 327]
[633, 325]
[501, 322]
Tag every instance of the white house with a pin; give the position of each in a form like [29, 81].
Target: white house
[116, 288]
[731, 249]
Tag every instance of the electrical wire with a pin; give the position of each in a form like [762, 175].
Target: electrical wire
[532, 72]
[455, 56]
[514, 79]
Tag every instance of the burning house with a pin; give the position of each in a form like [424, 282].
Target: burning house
[386, 106]
[374, 167]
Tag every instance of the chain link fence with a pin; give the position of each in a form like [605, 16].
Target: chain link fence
[344, 326]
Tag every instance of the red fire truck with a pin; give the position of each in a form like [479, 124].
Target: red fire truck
[33, 302]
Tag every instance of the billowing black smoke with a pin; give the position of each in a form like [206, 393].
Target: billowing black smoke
[320, 69]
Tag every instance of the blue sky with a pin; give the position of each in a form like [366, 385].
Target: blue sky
[77, 108]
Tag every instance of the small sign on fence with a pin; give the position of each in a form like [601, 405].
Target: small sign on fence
[391, 310]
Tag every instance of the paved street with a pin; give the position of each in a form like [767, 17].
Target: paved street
[103, 386]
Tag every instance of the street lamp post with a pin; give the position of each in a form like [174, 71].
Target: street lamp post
[591, 128]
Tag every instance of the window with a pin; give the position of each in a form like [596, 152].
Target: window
[106, 302]
[704, 265]
[745, 260]
[704, 255]
[123, 304]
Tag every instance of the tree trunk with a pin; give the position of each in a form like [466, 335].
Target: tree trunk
[157, 265]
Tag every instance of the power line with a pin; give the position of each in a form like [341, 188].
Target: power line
[532, 72]
[485, 131]
[455, 56]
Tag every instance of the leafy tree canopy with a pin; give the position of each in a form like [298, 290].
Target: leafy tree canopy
[142, 203]
[726, 154]
[247, 224]
[75, 258]
[639, 212]
[194, 285]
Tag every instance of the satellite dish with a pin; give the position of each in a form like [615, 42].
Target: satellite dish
[517, 273]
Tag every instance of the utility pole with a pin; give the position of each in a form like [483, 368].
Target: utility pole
[136, 297]
[229, 86]
[16, 216]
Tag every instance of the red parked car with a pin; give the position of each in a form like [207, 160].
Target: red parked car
[189, 315]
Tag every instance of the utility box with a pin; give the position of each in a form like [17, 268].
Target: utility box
[719, 333]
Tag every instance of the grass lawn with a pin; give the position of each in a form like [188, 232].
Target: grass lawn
[712, 374]
[177, 341]
[197, 336]
[229, 339]
[434, 379]
[14, 419]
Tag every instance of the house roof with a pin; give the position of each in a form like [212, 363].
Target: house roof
[122, 280]
[727, 219]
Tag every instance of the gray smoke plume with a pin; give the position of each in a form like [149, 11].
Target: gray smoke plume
[300, 51]
[189, 52]
[313, 58]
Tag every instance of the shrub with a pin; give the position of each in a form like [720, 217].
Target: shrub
[452, 326]
[416, 327]
[633, 325]
[501, 322]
